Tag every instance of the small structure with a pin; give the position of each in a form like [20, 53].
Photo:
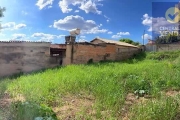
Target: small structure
[151, 42]
[24, 56]
[119, 50]
[58, 51]
[101, 40]
[70, 39]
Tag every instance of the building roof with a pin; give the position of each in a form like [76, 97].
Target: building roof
[115, 42]
[58, 46]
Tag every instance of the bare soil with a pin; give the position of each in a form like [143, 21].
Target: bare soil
[74, 106]
[131, 99]
[5, 102]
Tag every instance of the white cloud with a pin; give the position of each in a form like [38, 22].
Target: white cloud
[100, 25]
[82, 37]
[8, 25]
[86, 5]
[46, 37]
[123, 33]
[154, 24]
[19, 26]
[118, 35]
[18, 36]
[50, 6]
[110, 32]
[90, 6]
[60, 36]
[95, 30]
[107, 18]
[12, 26]
[72, 22]
[147, 20]
[146, 36]
[24, 12]
[43, 3]
[2, 35]
[76, 11]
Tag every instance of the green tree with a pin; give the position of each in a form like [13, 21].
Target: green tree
[169, 38]
[2, 10]
[127, 40]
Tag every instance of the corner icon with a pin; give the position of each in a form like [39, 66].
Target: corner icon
[172, 15]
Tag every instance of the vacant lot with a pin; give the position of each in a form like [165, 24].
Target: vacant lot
[144, 88]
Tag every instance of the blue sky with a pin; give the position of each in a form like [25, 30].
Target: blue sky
[51, 20]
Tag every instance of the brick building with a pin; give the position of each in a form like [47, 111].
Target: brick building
[98, 50]
[24, 56]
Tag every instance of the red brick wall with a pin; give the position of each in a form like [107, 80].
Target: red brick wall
[123, 52]
[83, 53]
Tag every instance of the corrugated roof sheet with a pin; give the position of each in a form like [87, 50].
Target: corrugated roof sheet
[115, 42]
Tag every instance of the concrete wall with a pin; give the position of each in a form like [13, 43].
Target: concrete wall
[168, 47]
[16, 57]
[151, 48]
[162, 47]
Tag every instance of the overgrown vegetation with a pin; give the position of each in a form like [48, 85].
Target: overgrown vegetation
[127, 40]
[161, 109]
[168, 38]
[146, 75]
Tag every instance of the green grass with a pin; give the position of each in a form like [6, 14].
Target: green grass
[108, 82]
[161, 109]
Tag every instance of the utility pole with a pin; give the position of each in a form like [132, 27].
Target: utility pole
[143, 36]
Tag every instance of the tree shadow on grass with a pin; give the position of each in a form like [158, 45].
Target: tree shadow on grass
[136, 58]
[15, 76]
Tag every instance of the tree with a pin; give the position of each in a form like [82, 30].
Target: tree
[127, 40]
[1, 14]
[1, 11]
[169, 38]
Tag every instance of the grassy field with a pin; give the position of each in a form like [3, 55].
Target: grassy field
[143, 88]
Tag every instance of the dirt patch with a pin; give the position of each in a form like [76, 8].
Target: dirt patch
[130, 100]
[5, 102]
[73, 106]
[172, 93]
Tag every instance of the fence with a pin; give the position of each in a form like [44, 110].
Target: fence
[162, 47]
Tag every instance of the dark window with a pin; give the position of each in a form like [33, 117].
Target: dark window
[107, 55]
